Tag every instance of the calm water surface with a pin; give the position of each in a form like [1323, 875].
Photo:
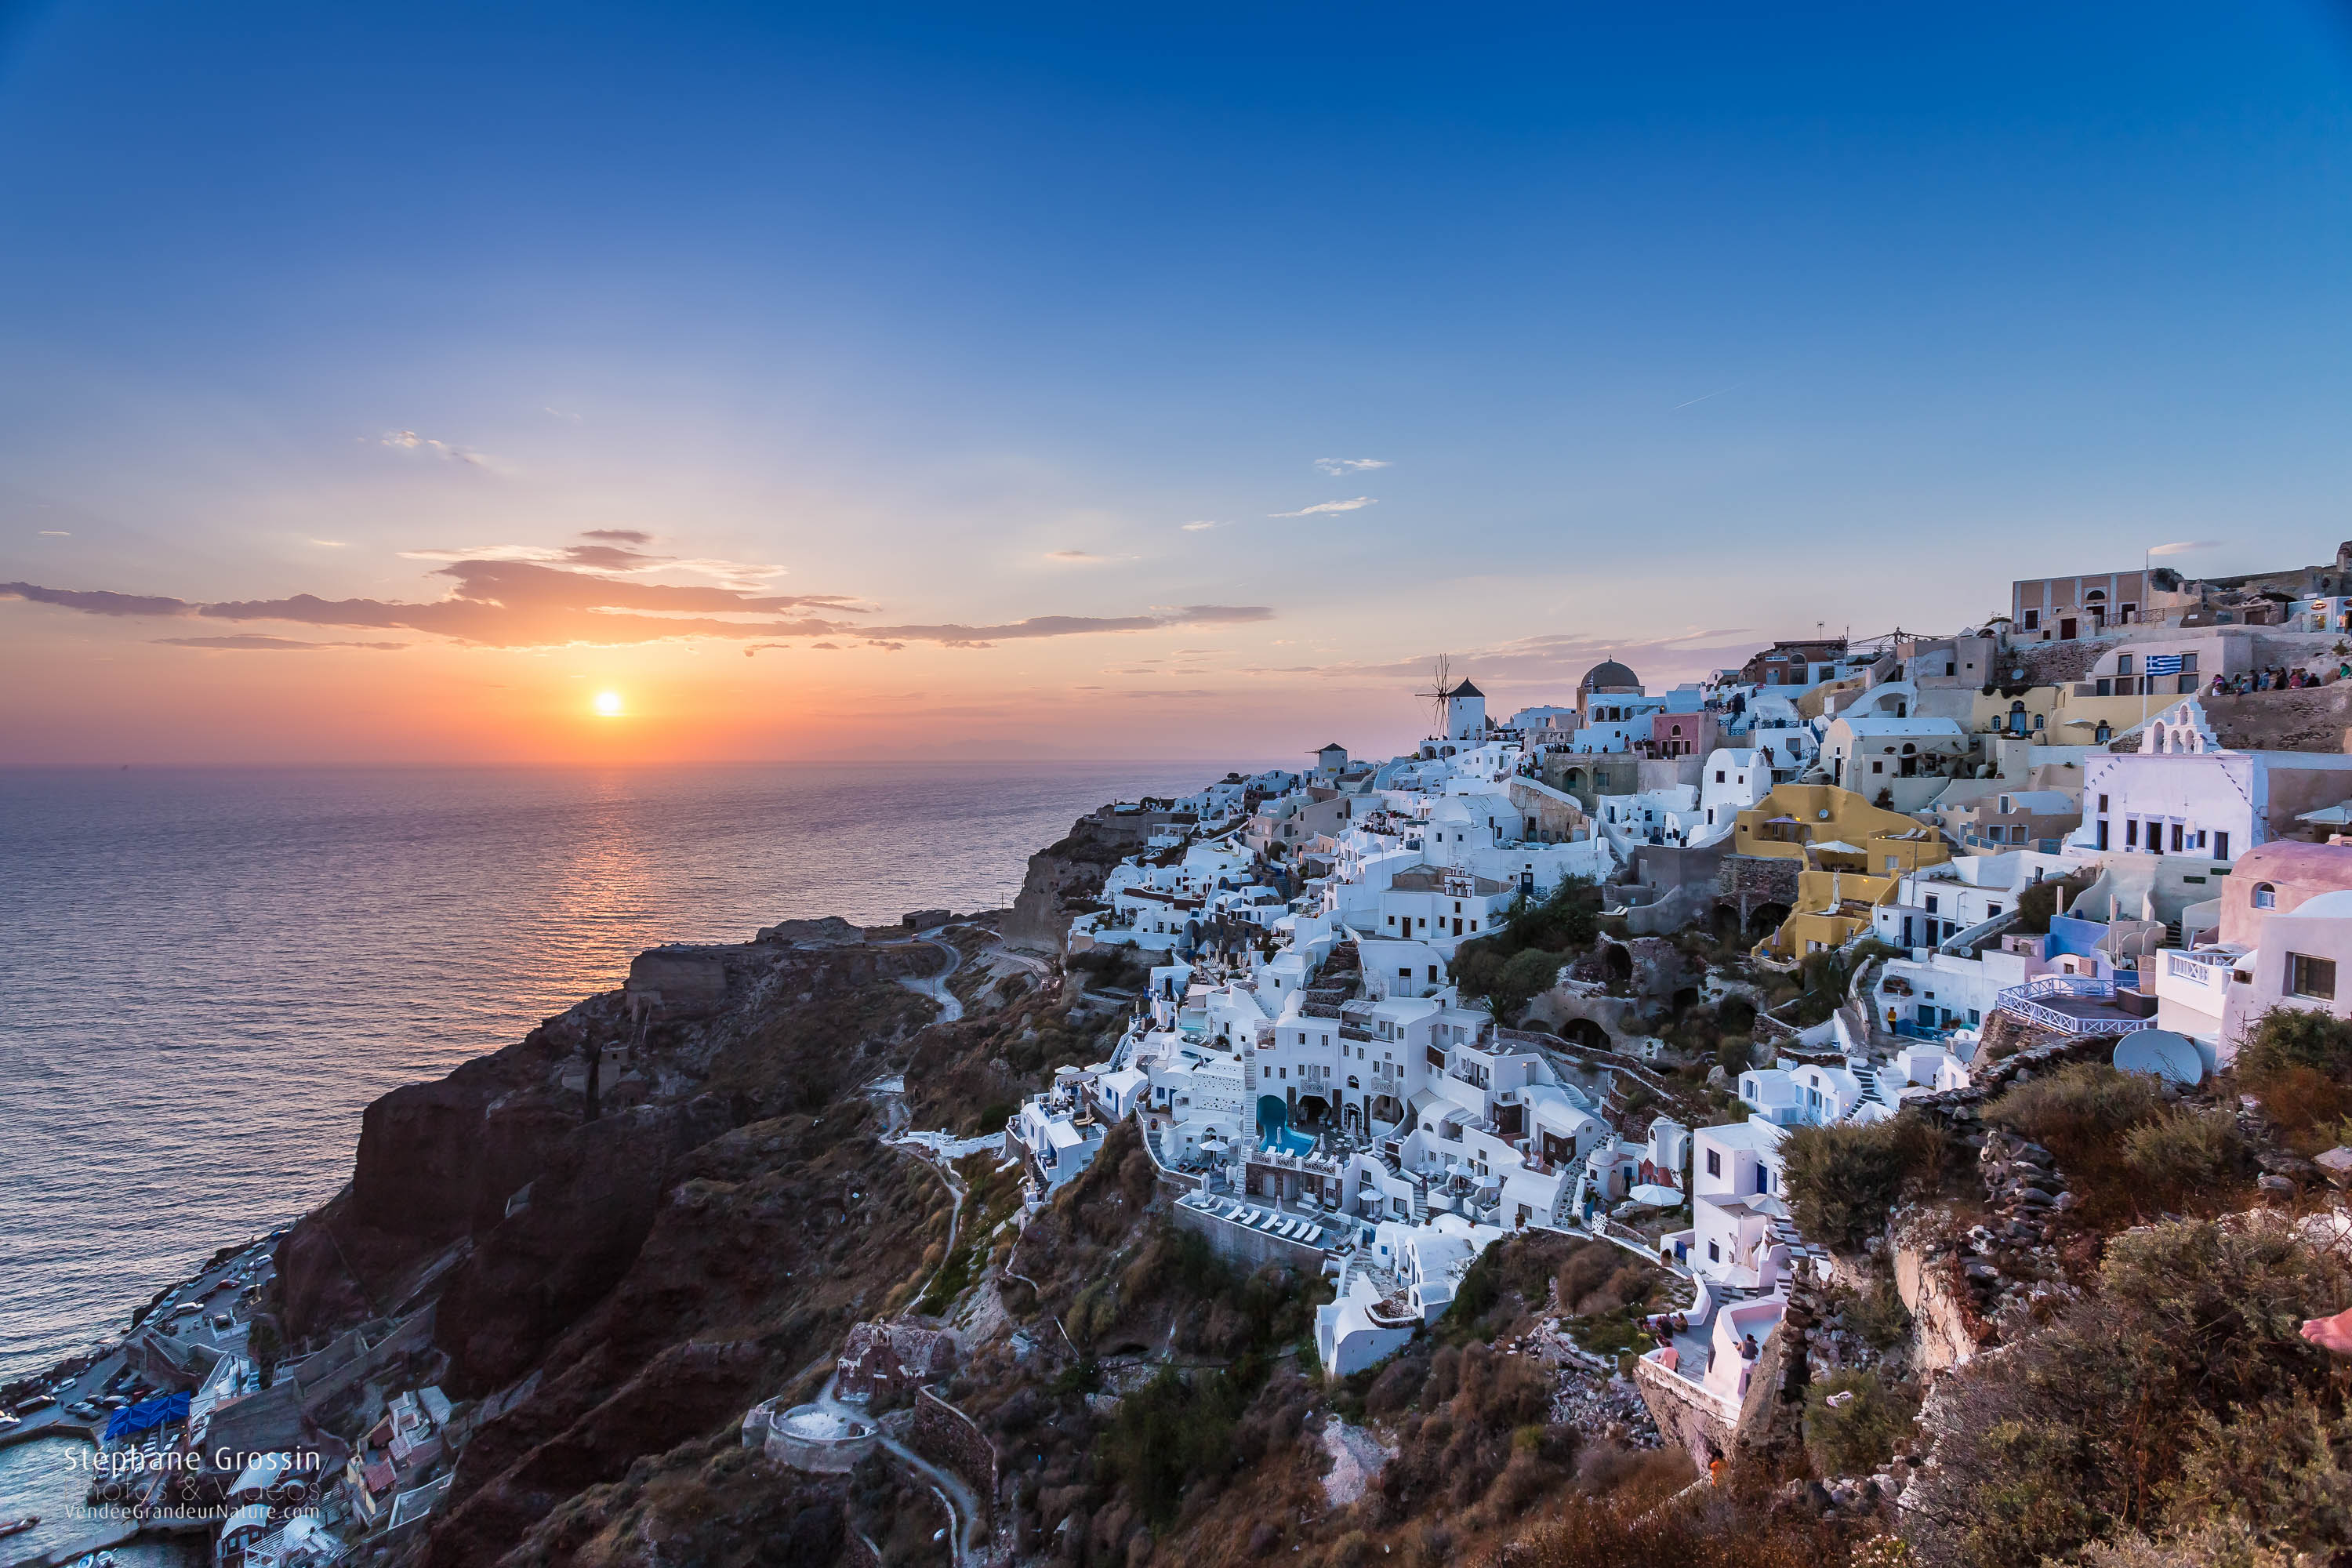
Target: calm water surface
[210, 973]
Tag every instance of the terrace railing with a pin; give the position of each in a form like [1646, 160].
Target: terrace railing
[2029, 1002]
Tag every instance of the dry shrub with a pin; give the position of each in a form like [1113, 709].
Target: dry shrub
[2308, 1104]
[1621, 1533]
[1397, 1386]
[2182, 1155]
[2217, 1544]
[2082, 1114]
[1585, 1270]
[2181, 1385]
[1454, 1455]
[1444, 1371]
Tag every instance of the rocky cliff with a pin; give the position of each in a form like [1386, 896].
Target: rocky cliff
[1062, 880]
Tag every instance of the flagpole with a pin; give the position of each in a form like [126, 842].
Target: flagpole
[2147, 555]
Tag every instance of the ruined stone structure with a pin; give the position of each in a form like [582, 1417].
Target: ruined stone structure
[892, 1358]
[1749, 887]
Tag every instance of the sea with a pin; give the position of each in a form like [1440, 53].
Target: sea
[208, 973]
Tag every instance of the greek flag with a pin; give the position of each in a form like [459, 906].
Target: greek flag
[2162, 664]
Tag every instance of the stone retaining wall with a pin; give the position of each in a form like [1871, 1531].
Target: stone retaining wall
[1247, 1248]
[952, 1440]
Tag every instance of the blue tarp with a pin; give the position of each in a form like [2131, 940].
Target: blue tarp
[131, 1420]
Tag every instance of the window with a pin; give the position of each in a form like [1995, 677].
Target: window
[2312, 977]
[2265, 896]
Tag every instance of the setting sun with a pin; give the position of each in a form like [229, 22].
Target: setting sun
[608, 704]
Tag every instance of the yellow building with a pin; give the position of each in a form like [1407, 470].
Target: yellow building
[2070, 714]
[1852, 854]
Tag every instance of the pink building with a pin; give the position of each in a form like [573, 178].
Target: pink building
[1683, 734]
[2285, 932]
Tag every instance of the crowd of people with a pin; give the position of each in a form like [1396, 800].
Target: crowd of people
[2277, 678]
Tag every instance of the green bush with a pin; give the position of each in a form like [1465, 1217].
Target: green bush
[1878, 1315]
[1169, 1434]
[1843, 1179]
[2286, 1037]
[2040, 902]
[1853, 1422]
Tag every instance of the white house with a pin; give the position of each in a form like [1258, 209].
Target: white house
[1910, 759]
[1737, 1182]
[2183, 793]
[1054, 1135]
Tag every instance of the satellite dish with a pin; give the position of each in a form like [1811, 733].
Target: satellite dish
[2160, 1053]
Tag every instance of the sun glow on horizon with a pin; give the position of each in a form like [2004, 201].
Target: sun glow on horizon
[608, 704]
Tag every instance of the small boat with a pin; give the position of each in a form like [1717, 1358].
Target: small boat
[16, 1526]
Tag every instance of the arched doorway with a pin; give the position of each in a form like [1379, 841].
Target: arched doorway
[1585, 1033]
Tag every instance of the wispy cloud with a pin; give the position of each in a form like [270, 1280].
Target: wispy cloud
[410, 441]
[1356, 505]
[613, 555]
[2182, 547]
[1336, 466]
[506, 602]
[253, 642]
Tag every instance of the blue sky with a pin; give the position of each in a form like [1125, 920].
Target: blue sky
[1670, 332]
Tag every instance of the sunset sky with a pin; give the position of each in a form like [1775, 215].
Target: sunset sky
[385, 386]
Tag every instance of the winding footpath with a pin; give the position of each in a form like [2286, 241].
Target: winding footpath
[936, 986]
[964, 1513]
